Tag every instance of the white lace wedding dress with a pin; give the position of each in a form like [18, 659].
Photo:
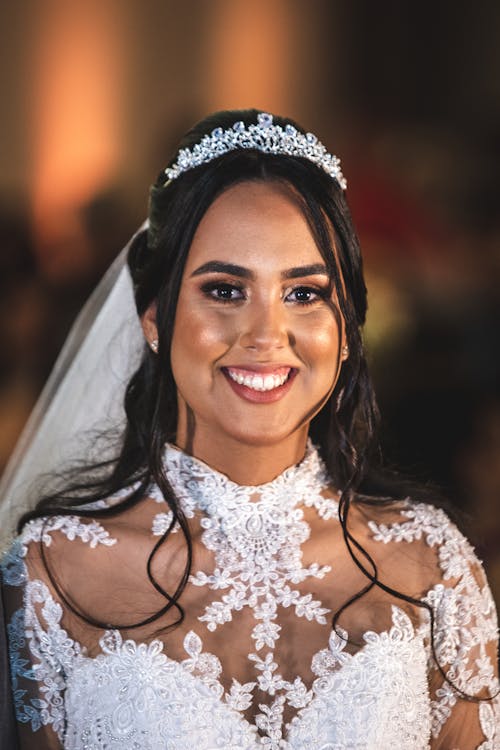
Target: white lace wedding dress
[255, 662]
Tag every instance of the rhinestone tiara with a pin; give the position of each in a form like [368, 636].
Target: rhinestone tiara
[265, 137]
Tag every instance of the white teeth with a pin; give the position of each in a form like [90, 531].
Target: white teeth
[269, 382]
[258, 382]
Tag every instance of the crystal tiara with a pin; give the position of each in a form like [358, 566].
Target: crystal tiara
[265, 137]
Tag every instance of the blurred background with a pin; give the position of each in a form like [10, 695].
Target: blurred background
[96, 93]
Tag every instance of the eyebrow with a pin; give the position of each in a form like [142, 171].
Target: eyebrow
[217, 266]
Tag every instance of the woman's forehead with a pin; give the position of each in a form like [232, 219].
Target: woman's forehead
[256, 222]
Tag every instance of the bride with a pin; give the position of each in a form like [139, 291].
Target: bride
[240, 572]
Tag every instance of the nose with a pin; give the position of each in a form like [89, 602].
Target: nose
[265, 327]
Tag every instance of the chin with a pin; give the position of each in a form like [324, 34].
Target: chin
[266, 435]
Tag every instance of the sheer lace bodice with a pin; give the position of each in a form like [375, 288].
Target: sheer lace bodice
[255, 662]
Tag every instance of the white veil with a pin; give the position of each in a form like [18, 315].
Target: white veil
[84, 393]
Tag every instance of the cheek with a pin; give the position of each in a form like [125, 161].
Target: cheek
[198, 336]
[320, 341]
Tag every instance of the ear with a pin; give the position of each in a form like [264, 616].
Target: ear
[148, 323]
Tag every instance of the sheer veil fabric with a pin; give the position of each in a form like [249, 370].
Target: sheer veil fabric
[84, 393]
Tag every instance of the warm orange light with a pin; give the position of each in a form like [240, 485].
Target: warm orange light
[250, 55]
[77, 108]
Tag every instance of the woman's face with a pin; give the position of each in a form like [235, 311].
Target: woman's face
[256, 343]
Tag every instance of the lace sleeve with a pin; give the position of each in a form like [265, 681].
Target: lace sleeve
[466, 639]
[7, 722]
[465, 705]
[39, 654]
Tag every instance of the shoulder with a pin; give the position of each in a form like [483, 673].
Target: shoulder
[406, 521]
[79, 560]
[48, 530]
[420, 546]
[88, 525]
[420, 553]
[419, 524]
[85, 538]
[47, 539]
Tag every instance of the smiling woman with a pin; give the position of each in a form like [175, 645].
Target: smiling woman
[242, 573]
[256, 324]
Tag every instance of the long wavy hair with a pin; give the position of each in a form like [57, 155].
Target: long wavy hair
[345, 430]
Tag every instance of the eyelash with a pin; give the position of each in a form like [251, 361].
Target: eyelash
[319, 294]
[211, 289]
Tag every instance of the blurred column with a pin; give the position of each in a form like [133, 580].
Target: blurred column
[250, 52]
[78, 88]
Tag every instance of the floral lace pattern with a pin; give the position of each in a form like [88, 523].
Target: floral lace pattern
[90, 532]
[52, 653]
[465, 615]
[257, 546]
[134, 695]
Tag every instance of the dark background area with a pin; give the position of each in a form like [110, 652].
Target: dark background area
[95, 96]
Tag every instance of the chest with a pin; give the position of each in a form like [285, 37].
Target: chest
[136, 696]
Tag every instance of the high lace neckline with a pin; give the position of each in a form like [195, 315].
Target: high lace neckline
[214, 493]
[256, 535]
[256, 540]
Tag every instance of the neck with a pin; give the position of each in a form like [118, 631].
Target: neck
[244, 463]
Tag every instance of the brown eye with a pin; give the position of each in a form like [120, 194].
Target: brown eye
[305, 295]
[223, 292]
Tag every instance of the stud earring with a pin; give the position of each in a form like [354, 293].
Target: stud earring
[154, 345]
[345, 351]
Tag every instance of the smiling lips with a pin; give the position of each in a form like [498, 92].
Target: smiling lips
[259, 381]
[260, 386]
